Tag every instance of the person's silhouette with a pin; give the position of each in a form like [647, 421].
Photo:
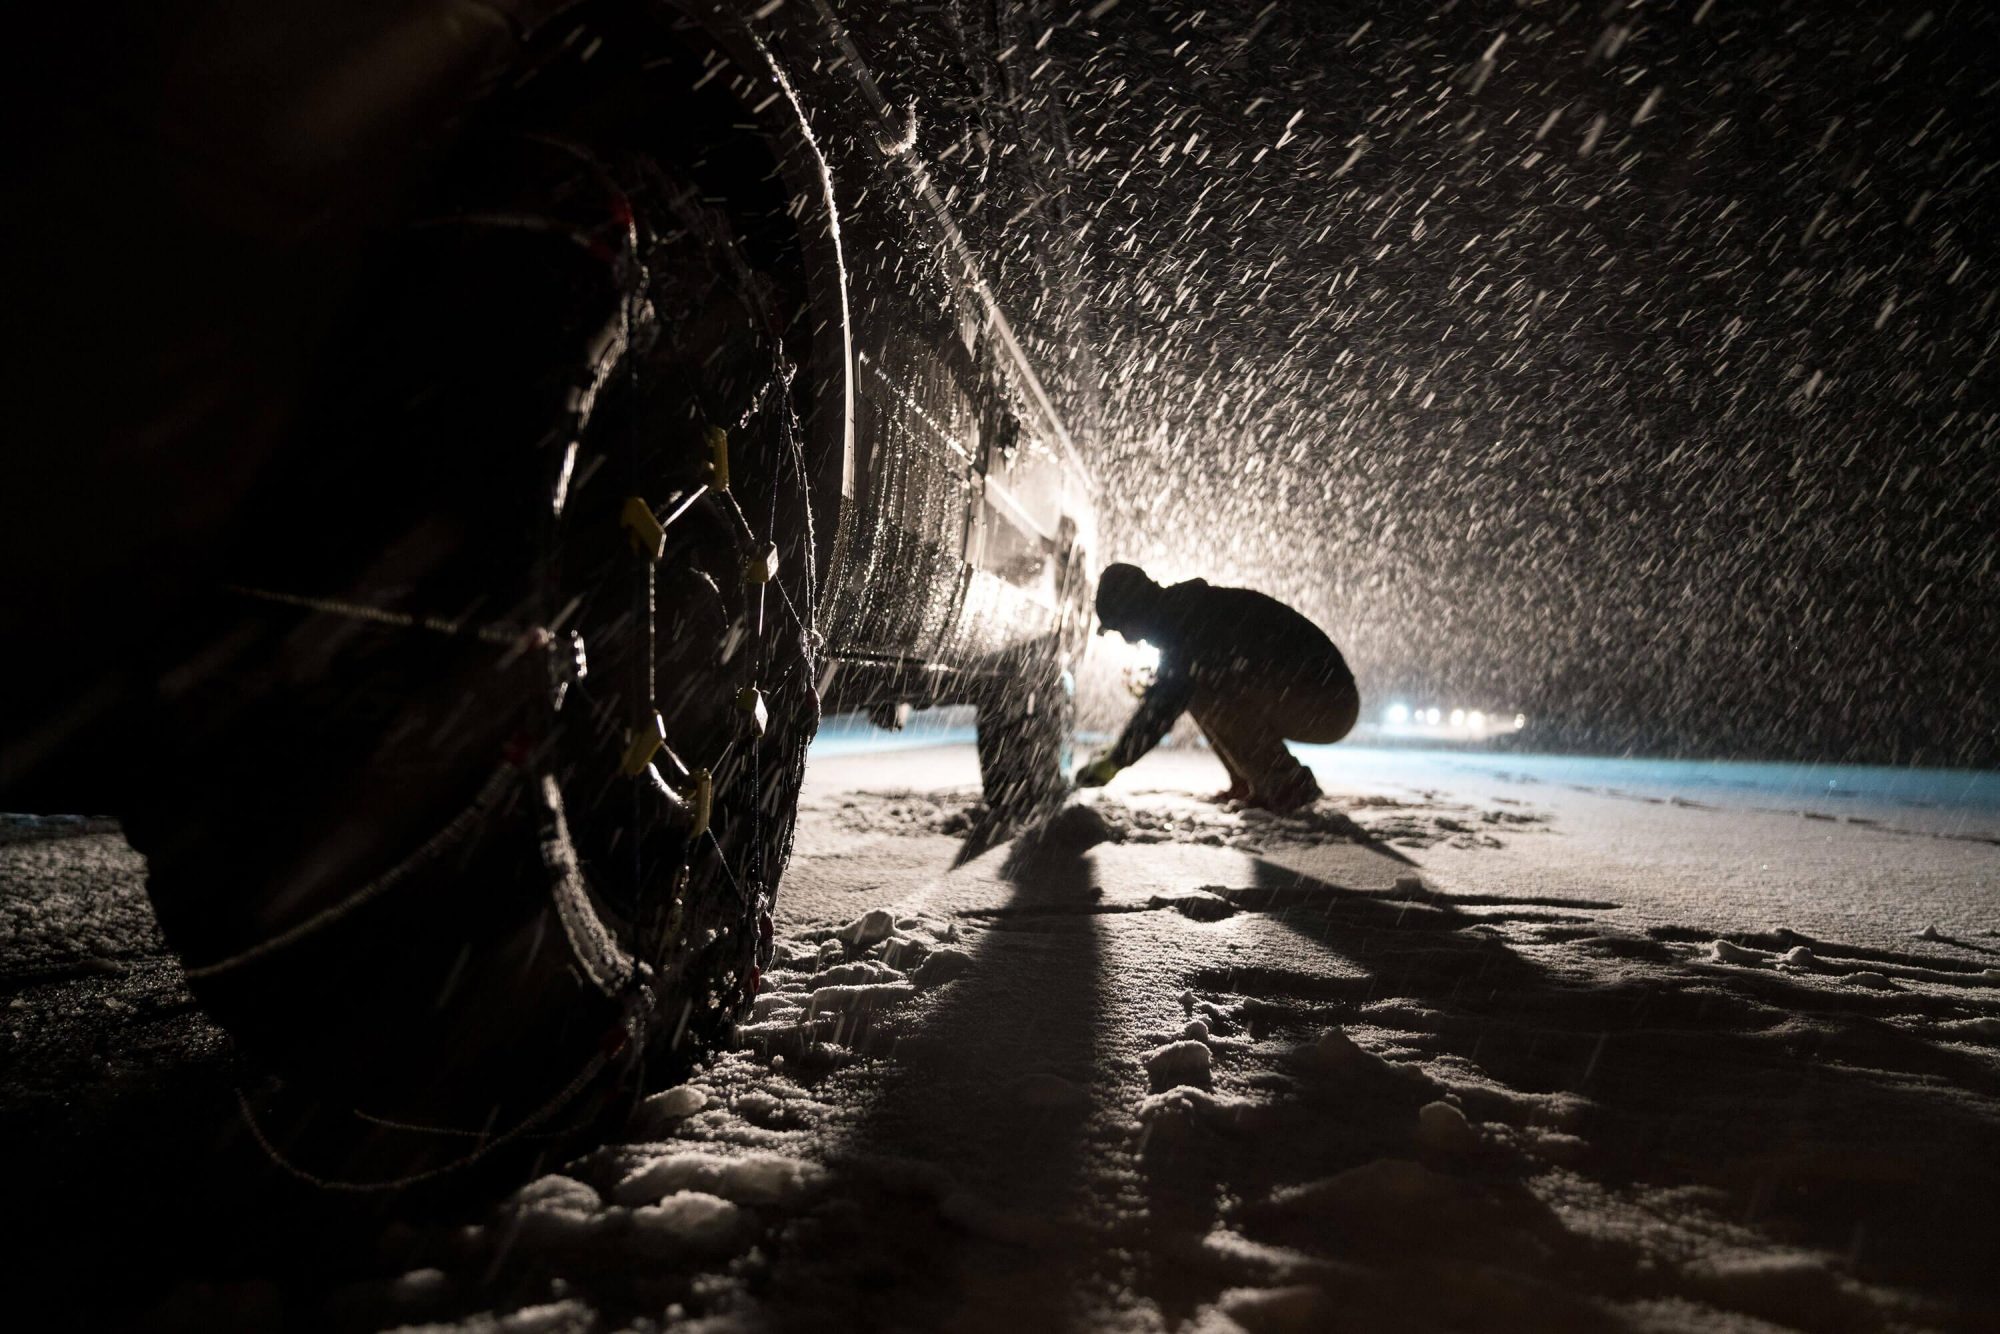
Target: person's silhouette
[1253, 672]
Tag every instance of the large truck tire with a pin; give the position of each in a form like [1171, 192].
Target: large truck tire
[468, 793]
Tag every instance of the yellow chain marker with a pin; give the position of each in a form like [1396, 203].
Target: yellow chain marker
[646, 743]
[700, 794]
[649, 539]
[751, 700]
[718, 458]
[762, 568]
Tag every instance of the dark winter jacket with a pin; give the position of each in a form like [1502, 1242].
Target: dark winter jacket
[1213, 638]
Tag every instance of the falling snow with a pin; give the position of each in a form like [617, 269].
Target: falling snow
[1631, 367]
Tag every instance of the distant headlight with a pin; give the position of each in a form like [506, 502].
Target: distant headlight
[1398, 713]
[1458, 717]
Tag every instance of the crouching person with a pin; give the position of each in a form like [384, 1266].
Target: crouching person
[1252, 672]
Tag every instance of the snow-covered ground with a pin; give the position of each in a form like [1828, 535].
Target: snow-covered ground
[1482, 1042]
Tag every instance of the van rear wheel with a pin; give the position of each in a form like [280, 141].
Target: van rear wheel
[1025, 728]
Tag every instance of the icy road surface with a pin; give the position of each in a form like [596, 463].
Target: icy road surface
[1485, 1043]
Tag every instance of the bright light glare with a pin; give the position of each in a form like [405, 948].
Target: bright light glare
[1520, 721]
[1137, 665]
[1128, 656]
[1399, 713]
[1476, 720]
[1458, 717]
[1432, 716]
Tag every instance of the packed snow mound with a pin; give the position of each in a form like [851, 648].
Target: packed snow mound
[556, 1194]
[1184, 1105]
[1729, 952]
[1337, 1051]
[851, 974]
[752, 1179]
[942, 966]
[687, 1220]
[1442, 1128]
[858, 999]
[1179, 1061]
[865, 930]
[763, 1108]
[674, 1104]
[420, 1284]
[1200, 905]
[555, 1213]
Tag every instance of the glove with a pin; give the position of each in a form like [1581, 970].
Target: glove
[1097, 773]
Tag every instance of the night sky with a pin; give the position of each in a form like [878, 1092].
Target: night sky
[1630, 365]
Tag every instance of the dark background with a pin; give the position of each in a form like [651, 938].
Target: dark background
[1629, 365]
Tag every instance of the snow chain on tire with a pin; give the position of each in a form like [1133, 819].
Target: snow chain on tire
[672, 946]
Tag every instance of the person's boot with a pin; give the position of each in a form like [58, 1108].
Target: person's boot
[1295, 793]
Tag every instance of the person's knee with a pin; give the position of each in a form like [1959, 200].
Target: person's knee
[1329, 717]
[1347, 712]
